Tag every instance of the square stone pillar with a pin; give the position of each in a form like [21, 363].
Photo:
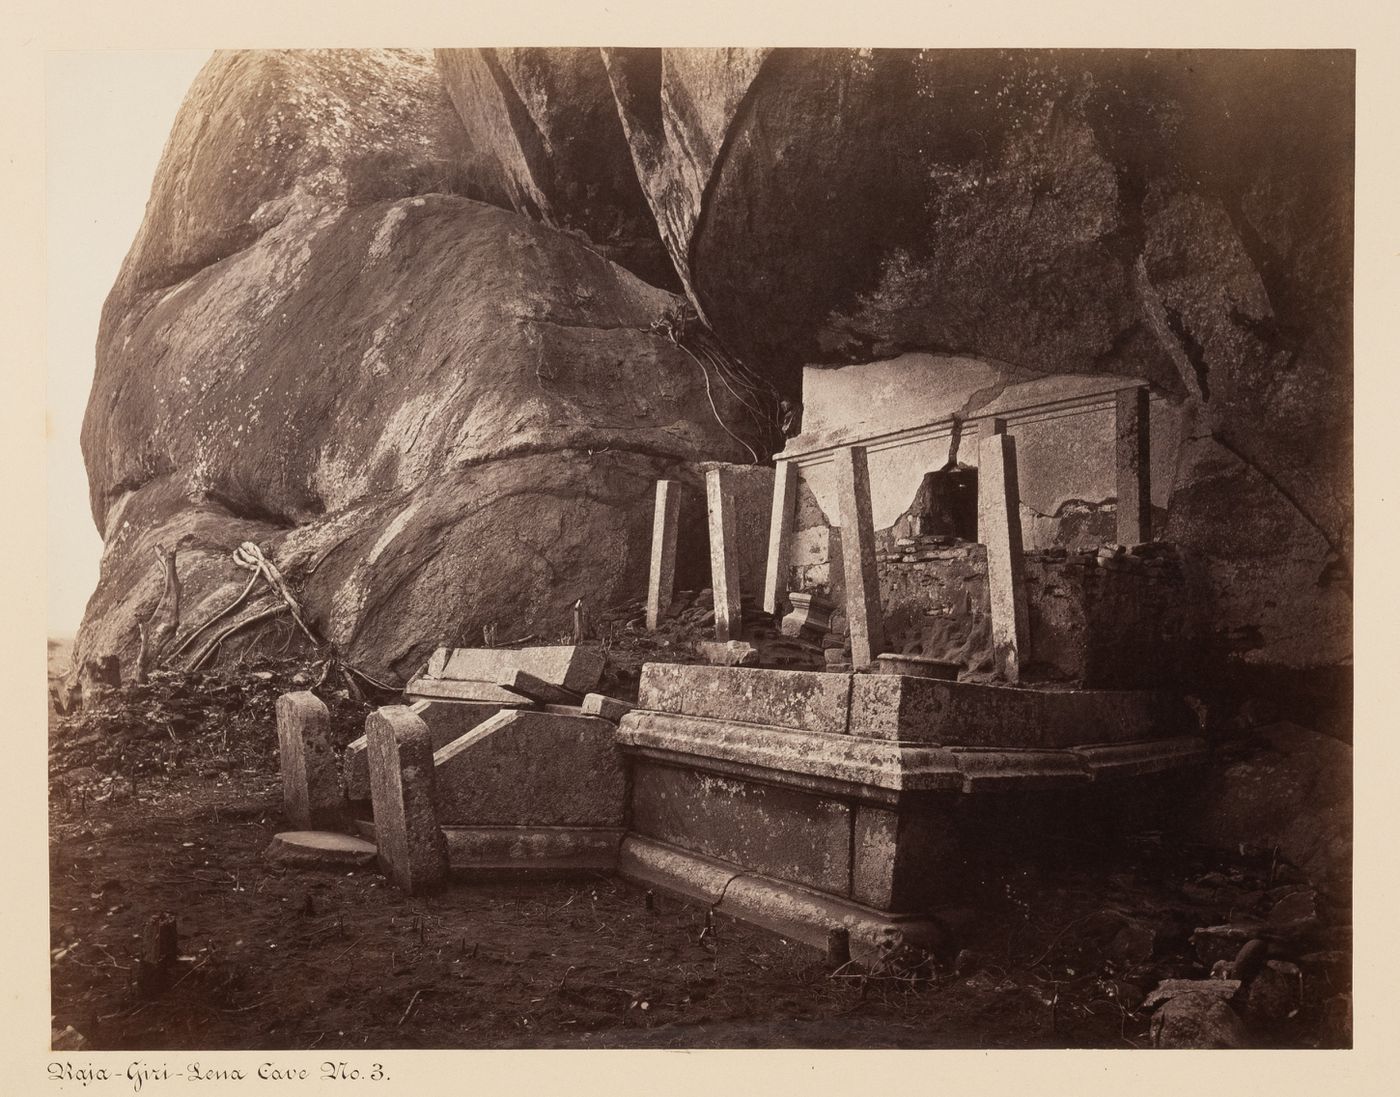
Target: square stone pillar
[662, 584]
[724, 553]
[780, 536]
[412, 847]
[311, 791]
[999, 528]
[863, 609]
[1133, 453]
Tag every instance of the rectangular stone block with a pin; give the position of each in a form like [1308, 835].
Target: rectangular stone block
[531, 768]
[311, 789]
[808, 700]
[608, 708]
[780, 529]
[907, 860]
[781, 833]
[724, 553]
[927, 710]
[999, 528]
[576, 667]
[412, 849]
[662, 583]
[524, 684]
[861, 571]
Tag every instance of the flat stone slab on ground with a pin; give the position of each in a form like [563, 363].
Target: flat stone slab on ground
[320, 849]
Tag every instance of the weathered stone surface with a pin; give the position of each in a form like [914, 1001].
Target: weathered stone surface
[862, 608]
[781, 833]
[725, 578]
[1165, 991]
[320, 849]
[524, 407]
[661, 583]
[311, 787]
[916, 666]
[811, 613]
[575, 667]
[999, 528]
[1133, 458]
[446, 720]
[513, 852]
[1197, 1021]
[544, 125]
[608, 708]
[780, 529]
[1293, 793]
[810, 700]
[524, 684]
[730, 653]
[528, 768]
[890, 706]
[410, 843]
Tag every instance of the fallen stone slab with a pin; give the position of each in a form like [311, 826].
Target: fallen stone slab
[326, 849]
[531, 686]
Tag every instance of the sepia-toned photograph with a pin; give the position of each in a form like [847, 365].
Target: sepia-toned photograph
[644, 547]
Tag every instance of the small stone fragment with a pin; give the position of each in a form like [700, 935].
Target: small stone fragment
[1197, 1021]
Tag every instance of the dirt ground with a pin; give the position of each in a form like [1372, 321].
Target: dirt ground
[166, 799]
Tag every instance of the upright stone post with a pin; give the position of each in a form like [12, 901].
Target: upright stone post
[863, 609]
[724, 554]
[1133, 451]
[999, 528]
[311, 791]
[412, 848]
[662, 585]
[779, 536]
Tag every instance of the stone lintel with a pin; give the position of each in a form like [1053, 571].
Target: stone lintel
[999, 528]
[861, 571]
[412, 850]
[665, 523]
[482, 853]
[1133, 458]
[534, 688]
[724, 552]
[780, 524]
[575, 667]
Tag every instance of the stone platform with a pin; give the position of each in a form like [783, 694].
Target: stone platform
[854, 798]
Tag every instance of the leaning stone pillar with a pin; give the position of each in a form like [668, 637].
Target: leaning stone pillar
[662, 585]
[999, 528]
[779, 536]
[863, 609]
[1133, 452]
[311, 791]
[724, 553]
[412, 848]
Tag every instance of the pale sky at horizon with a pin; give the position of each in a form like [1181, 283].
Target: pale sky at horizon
[108, 115]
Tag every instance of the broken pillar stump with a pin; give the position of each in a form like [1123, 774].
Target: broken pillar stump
[999, 529]
[780, 524]
[1133, 453]
[863, 609]
[661, 586]
[160, 952]
[311, 786]
[724, 552]
[412, 848]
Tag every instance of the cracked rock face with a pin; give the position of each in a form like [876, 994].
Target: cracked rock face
[430, 412]
[322, 312]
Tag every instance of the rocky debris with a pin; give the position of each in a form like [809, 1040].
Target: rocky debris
[1224, 989]
[728, 653]
[1284, 788]
[67, 1039]
[1197, 1021]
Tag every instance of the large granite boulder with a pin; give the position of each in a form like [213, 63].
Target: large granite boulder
[430, 413]
[1179, 216]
